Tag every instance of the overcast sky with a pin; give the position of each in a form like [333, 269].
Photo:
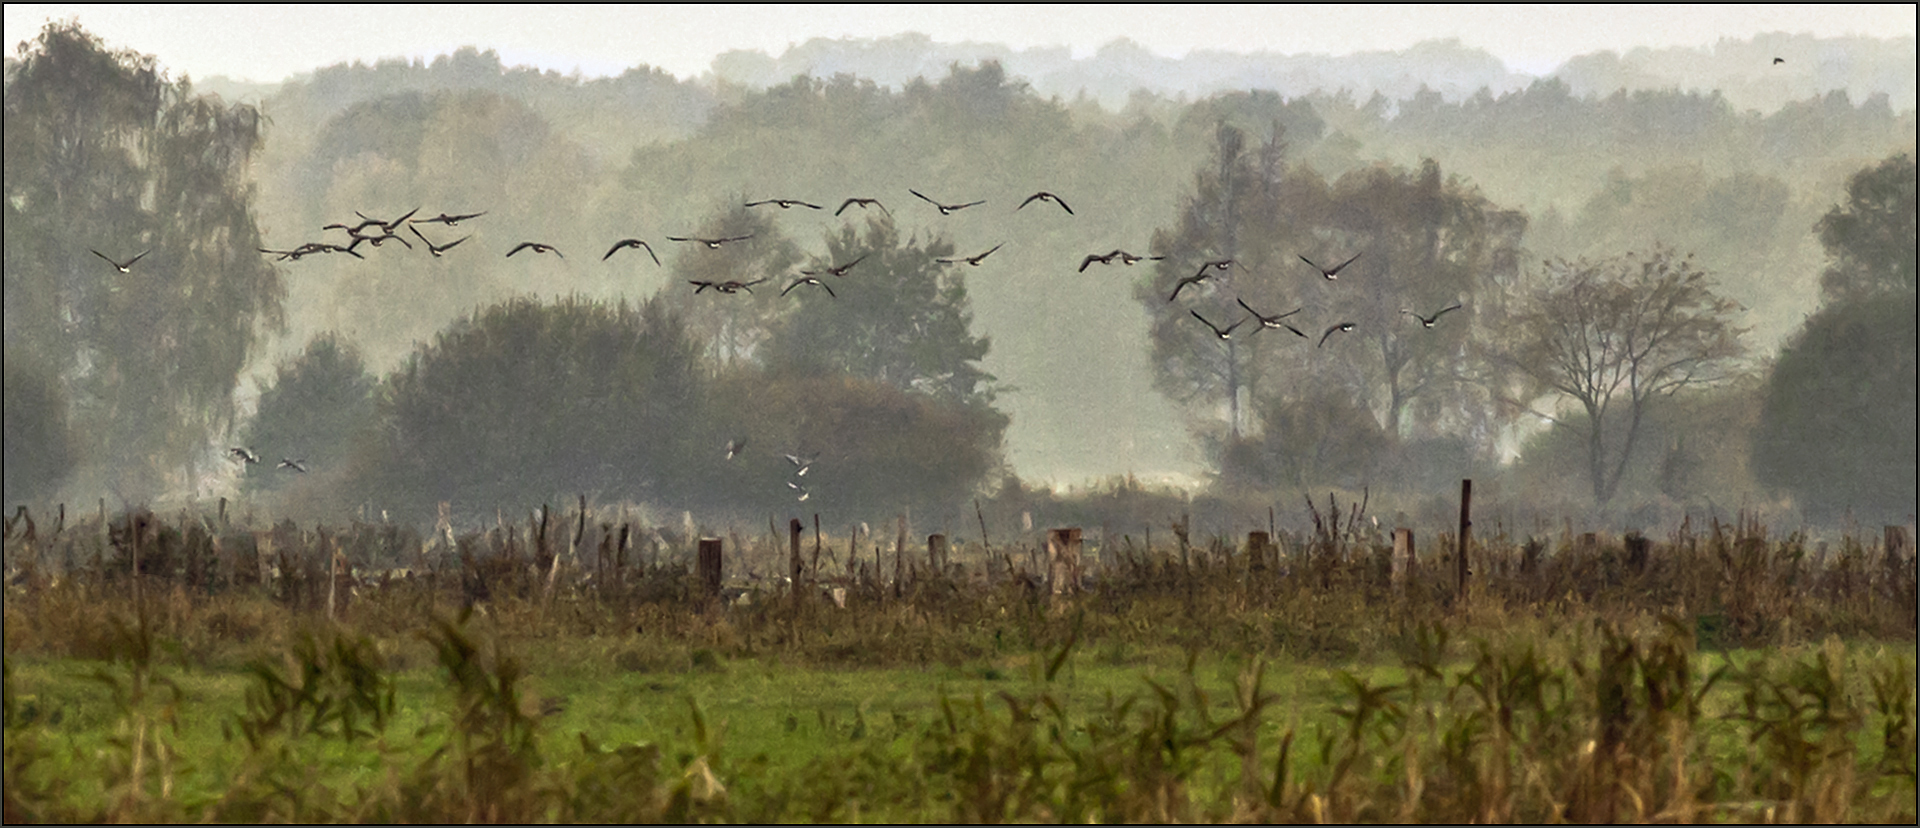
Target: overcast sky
[272, 43]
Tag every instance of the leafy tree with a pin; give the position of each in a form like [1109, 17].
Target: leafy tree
[1870, 238]
[1614, 336]
[318, 409]
[39, 448]
[734, 324]
[897, 317]
[104, 154]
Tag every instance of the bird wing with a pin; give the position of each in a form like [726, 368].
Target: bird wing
[923, 197]
[519, 247]
[1336, 269]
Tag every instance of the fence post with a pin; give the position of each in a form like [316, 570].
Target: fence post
[709, 564]
[1257, 552]
[1063, 560]
[1403, 561]
[937, 554]
[1466, 528]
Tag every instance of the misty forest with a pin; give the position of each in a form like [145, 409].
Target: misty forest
[436, 441]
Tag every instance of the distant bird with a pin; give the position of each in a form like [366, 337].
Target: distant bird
[1096, 257]
[354, 229]
[729, 286]
[447, 220]
[1273, 321]
[734, 447]
[1330, 274]
[1043, 195]
[785, 203]
[243, 455]
[837, 270]
[712, 244]
[385, 234]
[308, 249]
[972, 260]
[1340, 328]
[1217, 331]
[537, 248]
[1427, 321]
[804, 494]
[800, 463]
[945, 209]
[1129, 259]
[810, 280]
[1779, 60]
[389, 225]
[296, 465]
[1200, 276]
[437, 250]
[126, 267]
[626, 243]
[864, 203]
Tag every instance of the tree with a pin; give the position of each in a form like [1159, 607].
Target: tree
[104, 154]
[1616, 334]
[318, 410]
[39, 448]
[898, 317]
[1870, 238]
[734, 324]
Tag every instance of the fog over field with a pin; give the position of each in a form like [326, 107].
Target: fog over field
[1632, 276]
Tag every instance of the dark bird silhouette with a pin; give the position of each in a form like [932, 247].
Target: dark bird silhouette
[1427, 321]
[537, 248]
[308, 249]
[729, 286]
[1340, 328]
[243, 455]
[125, 267]
[864, 203]
[810, 280]
[1095, 257]
[1779, 60]
[1217, 331]
[712, 244]
[1200, 276]
[945, 209]
[1273, 321]
[626, 243]
[1129, 259]
[388, 225]
[1330, 274]
[385, 234]
[972, 260]
[785, 203]
[447, 220]
[1043, 195]
[838, 270]
[354, 229]
[290, 463]
[437, 250]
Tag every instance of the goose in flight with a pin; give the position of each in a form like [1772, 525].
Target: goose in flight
[864, 203]
[810, 280]
[1340, 328]
[376, 240]
[838, 270]
[1129, 259]
[448, 220]
[290, 463]
[1273, 321]
[712, 244]
[1200, 276]
[1227, 333]
[801, 463]
[626, 243]
[1095, 257]
[1043, 195]
[972, 260]
[785, 203]
[1330, 274]
[437, 250]
[387, 225]
[734, 446]
[1427, 321]
[243, 455]
[729, 286]
[804, 494]
[537, 248]
[945, 209]
[123, 267]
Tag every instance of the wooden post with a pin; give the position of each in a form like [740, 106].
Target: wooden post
[794, 567]
[710, 563]
[1403, 559]
[899, 557]
[1063, 560]
[1465, 541]
[1257, 552]
[937, 554]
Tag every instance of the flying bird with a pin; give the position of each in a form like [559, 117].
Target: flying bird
[785, 203]
[537, 248]
[388, 225]
[864, 203]
[1129, 259]
[1427, 321]
[1095, 257]
[734, 447]
[126, 267]
[447, 220]
[1330, 274]
[972, 260]
[810, 280]
[945, 209]
[1779, 60]
[712, 244]
[296, 465]
[243, 455]
[626, 243]
[437, 250]
[729, 286]
[837, 270]
[1200, 276]
[1217, 331]
[800, 463]
[385, 234]
[1340, 328]
[804, 494]
[1272, 321]
[1043, 195]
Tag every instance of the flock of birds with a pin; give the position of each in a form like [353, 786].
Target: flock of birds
[374, 232]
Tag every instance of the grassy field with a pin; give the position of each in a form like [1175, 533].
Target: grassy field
[1586, 683]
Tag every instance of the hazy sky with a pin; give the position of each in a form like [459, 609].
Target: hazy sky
[271, 43]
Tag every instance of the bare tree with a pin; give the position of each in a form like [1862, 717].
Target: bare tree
[1616, 334]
